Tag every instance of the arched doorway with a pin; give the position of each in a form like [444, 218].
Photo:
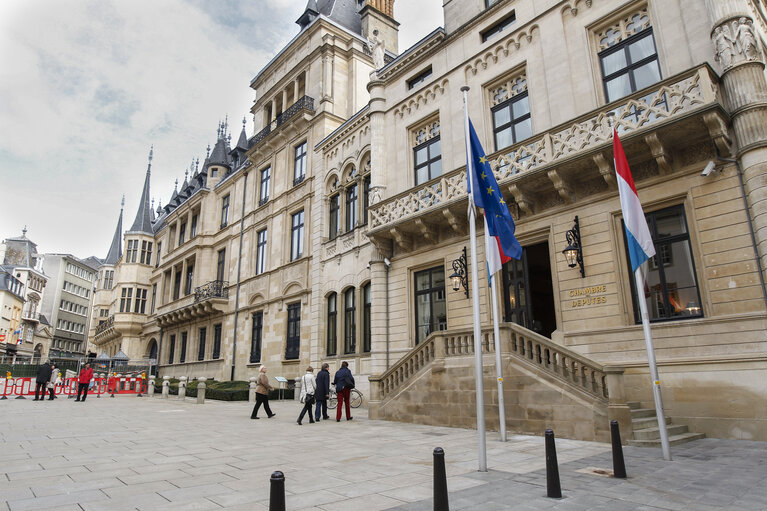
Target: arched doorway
[38, 354]
[151, 351]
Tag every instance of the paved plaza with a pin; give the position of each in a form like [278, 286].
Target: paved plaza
[154, 454]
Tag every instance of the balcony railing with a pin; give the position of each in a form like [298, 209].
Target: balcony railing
[304, 103]
[214, 289]
[106, 325]
[675, 97]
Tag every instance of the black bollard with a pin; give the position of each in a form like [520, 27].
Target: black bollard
[619, 466]
[553, 488]
[277, 492]
[440, 481]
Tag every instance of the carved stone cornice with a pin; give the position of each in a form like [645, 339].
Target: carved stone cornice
[524, 200]
[659, 152]
[606, 170]
[562, 185]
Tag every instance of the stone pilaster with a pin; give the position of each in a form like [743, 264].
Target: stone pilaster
[379, 275]
[377, 140]
[737, 51]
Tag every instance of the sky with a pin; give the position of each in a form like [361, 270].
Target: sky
[88, 86]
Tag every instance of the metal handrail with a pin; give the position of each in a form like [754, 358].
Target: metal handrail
[304, 103]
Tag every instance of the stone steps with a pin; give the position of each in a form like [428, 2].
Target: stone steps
[644, 422]
[672, 440]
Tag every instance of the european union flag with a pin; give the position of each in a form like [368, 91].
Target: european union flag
[488, 196]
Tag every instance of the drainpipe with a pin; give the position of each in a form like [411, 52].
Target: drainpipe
[239, 268]
[748, 217]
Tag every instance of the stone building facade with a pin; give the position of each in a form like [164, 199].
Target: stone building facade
[330, 234]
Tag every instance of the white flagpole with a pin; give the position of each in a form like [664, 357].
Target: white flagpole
[498, 366]
[653, 366]
[482, 450]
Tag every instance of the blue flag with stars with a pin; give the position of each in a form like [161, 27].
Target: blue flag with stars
[488, 196]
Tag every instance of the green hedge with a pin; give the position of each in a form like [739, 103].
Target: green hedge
[220, 390]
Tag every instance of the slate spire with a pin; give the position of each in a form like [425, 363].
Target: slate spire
[143, 221]
[116, 249]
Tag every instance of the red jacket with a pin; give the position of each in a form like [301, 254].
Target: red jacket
[85, 375]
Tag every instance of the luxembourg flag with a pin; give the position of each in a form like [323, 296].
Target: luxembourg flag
[640, 243]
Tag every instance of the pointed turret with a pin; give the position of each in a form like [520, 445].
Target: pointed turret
[220, 153]
[242, 143]
[116, 249]
[143, 221]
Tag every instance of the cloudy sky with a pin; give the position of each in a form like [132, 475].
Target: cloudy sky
[89, 85]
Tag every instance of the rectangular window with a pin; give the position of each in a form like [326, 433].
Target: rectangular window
[220, 264]
[351, 207]
[181, 234]
[430, 308]
[299, 170]
[261, 252]
[297, 236]
[365, 199]
[201, 344]
[332, 340]
[350, 322]
[366, 319]
[140, 306]
[182, 355]
[216, 341]
[490, 3]
[420, 78]
[255, 337]
[630, 65]
[189, 279]
[266, 177]
[159, 249]
[293, 341]
[132, 252]
[126, 298]
[499, 27]
[671, 286]
[177, 284]
[511, 121]
[224, 211]
[171, 349]
[154, 297]
[334, 213]
[193, 233]
[428, 160]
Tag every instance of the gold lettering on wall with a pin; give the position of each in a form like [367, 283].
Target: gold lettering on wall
[583, 297]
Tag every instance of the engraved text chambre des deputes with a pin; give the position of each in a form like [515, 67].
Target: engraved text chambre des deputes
[583, 297]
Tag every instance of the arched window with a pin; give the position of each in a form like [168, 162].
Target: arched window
[350, 322]
[332, 338]
[366, 318]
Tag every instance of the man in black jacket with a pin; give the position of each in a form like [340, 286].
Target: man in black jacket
[344, 382]
[322, 393]
[43, 377]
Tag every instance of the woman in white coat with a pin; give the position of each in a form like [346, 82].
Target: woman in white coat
[308, 388]
[53, 382]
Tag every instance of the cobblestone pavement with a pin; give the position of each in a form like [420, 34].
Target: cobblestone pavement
[154, 454]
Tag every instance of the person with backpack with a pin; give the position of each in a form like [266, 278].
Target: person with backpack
[308, 390]
[344, 382]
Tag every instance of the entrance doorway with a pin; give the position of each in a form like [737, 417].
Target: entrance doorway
[528, 292]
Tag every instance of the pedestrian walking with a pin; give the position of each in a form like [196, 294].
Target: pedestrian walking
[55, 375]
[322, 393]
[83, 381]
[262, 394]
[344, 382]
[41, 382]
[308, 391]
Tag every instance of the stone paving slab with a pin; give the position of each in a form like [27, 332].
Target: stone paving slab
[153, 454]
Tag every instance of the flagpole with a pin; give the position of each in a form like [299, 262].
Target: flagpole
[480, 388]
[498, 365]
[653, 366]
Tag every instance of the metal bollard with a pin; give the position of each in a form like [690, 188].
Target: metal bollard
[553, 488]
[619, 466]
[165, 387]
[182, 388]
[151, 386]
[201, 390]
[252, 390]
[277, 492]
[440, 481]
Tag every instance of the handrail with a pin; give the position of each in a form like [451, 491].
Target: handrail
[524, 345]
[303, 103]
[676, 96]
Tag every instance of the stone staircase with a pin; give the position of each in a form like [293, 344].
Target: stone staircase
[644, 423]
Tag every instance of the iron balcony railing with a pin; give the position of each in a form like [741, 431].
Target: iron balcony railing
[106, 325]
[304, 103]
[214, 289]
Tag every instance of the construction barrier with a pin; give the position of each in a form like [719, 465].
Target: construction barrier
[120, 384]
[20, 388]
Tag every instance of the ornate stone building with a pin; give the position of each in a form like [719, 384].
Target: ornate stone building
[331, 233]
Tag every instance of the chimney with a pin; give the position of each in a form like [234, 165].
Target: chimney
[379, 15]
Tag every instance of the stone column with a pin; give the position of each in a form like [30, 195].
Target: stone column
[377, 140]
[201, 390]
[273, 115]
[252, 390]
[284, 99]
[182, 388]
[737, 50]
[165, 387]
[295, 90]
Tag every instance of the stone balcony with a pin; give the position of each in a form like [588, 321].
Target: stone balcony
[208, 300]
[572, 161]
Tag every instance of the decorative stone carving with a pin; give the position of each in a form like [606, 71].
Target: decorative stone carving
[422, 98]
[659, 152]
[428, 231]
[606, 170]
[563, 187]
[624, 28]
[514, 86]
[735, 43]
[424, 133]
[377, 49]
